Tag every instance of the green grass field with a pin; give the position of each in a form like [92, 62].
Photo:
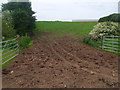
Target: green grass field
[76, 28]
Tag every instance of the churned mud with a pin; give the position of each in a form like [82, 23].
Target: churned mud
[62, 62]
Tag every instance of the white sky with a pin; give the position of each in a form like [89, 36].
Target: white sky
[67, 10]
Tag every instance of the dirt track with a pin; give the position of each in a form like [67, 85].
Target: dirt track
[62, 63]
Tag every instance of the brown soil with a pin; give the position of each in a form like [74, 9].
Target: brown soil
[62, 63]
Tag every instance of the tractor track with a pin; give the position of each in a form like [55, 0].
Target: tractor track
[83, 63]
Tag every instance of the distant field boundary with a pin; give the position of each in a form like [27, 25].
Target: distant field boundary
[111, 44]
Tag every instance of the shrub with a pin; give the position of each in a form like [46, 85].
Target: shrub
[90, 42]
[24, 41]
[7, 30]
[7, 25]
[104, 29]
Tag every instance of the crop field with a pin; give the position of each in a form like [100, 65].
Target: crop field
[62, 61]
[76, 28]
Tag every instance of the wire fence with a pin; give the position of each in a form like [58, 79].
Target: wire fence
[9, 50]
[111, 44]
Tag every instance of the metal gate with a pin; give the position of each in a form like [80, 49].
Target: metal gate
[111, 44]
[9, 49]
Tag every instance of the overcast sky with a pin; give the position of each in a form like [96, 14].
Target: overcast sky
[67, 10]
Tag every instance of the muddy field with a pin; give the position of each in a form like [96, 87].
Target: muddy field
[64, 62]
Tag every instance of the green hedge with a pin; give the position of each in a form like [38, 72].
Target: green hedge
[24, 42]
[90, 42]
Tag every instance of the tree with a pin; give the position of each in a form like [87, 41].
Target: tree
[112, 17]
[22, 14]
